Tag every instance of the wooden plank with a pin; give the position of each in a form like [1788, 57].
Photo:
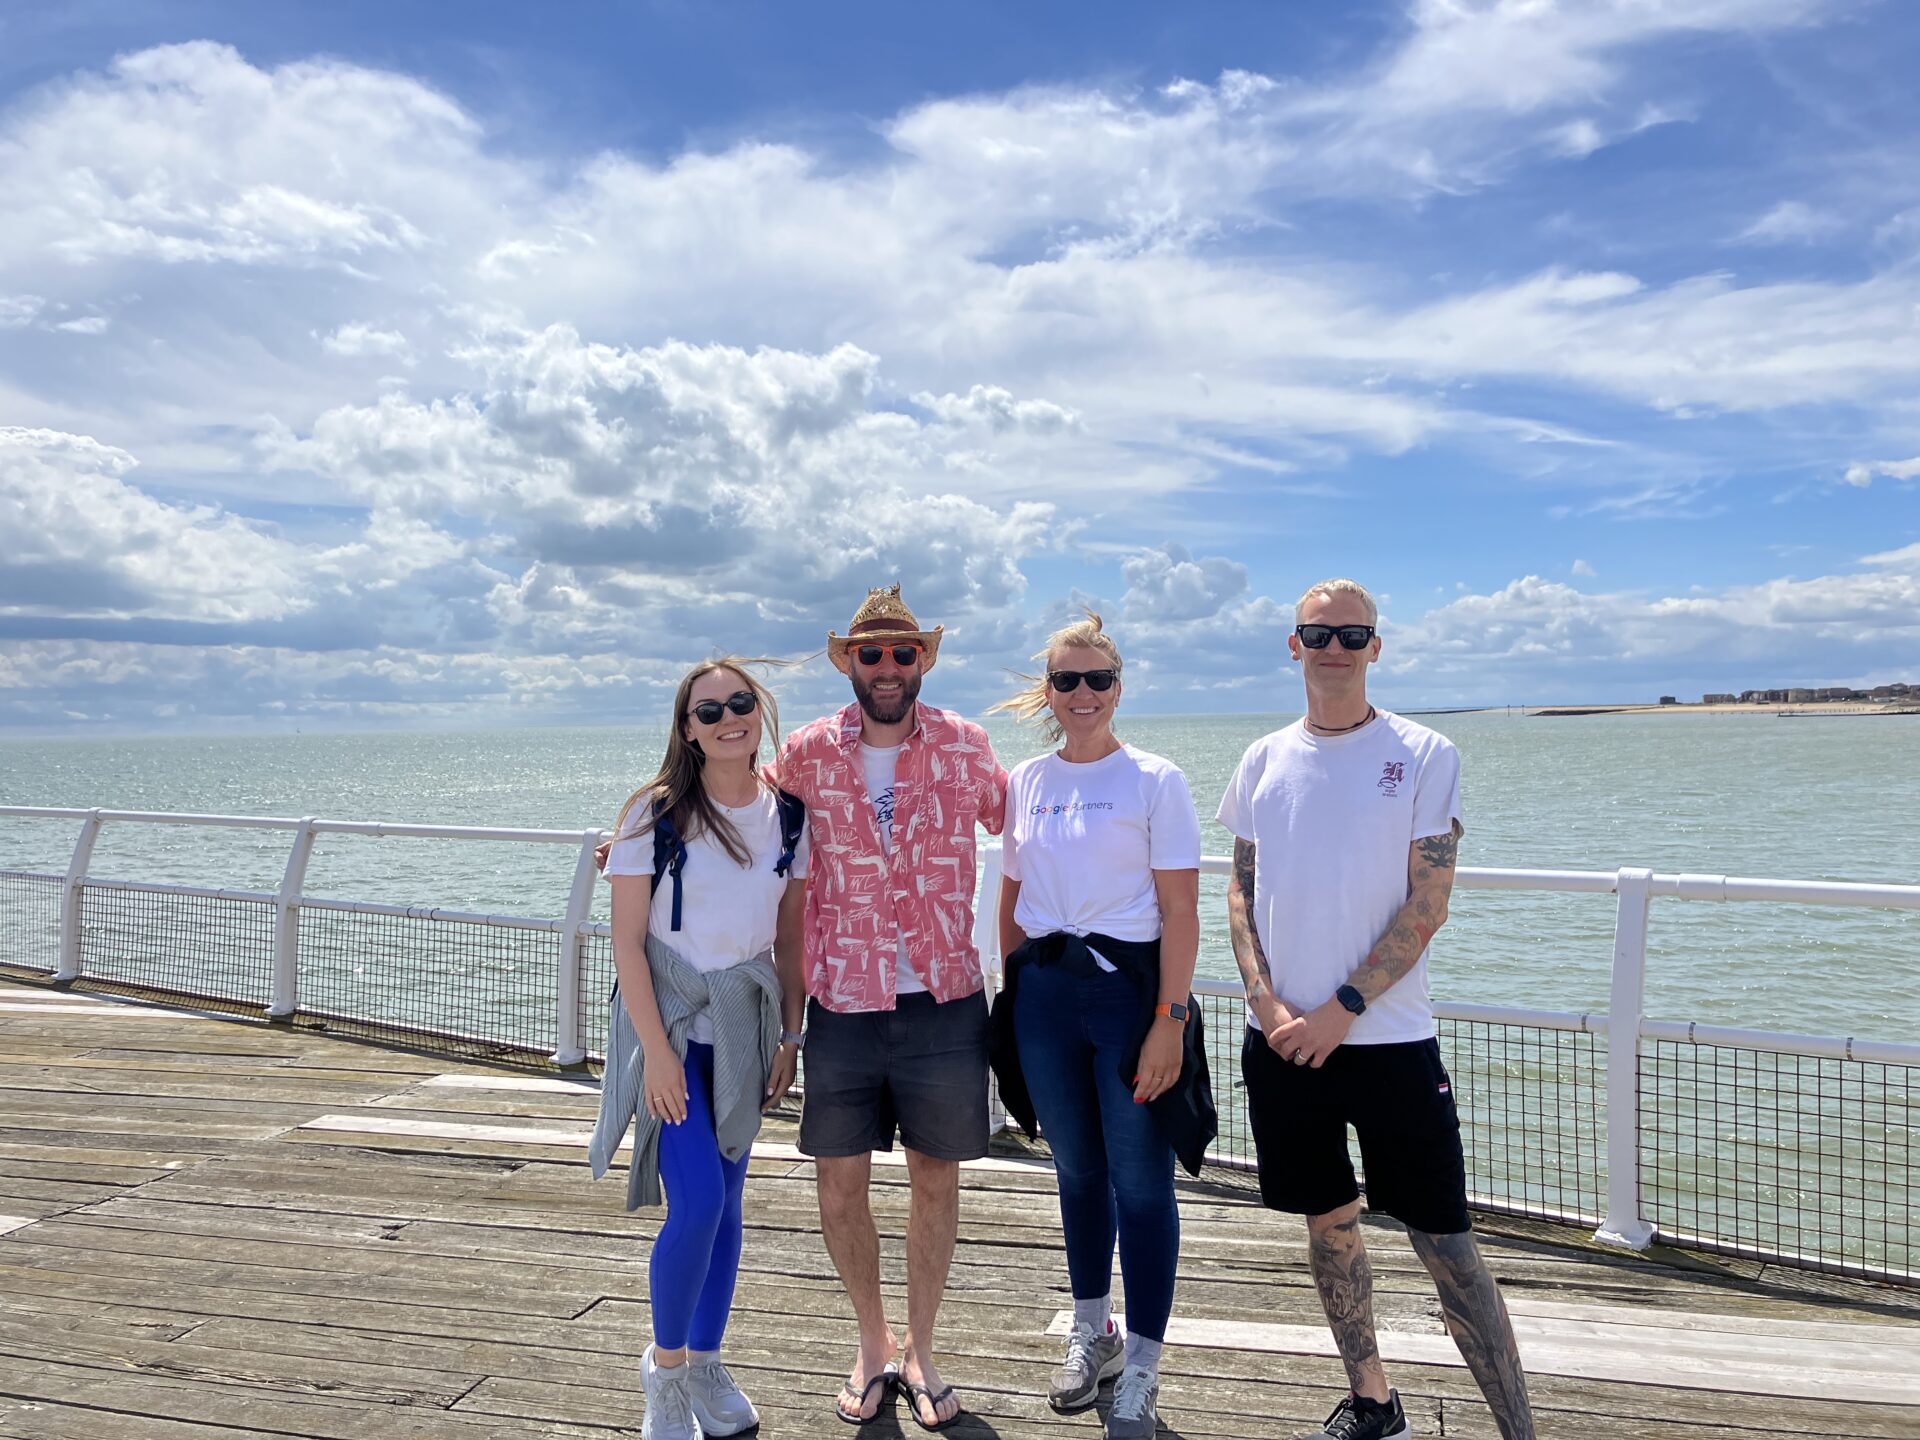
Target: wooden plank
[10, 1223]
[1633, 1357]
[543, 1084]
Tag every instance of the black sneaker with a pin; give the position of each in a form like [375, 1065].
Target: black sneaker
[1358, 1418]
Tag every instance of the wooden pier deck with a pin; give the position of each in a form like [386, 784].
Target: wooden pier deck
[217, 1228]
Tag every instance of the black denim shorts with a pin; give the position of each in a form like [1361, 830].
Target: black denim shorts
[920, 1068]
[1398, 1099]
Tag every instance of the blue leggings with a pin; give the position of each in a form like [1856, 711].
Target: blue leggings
[1114, 1166]
[696, 1255]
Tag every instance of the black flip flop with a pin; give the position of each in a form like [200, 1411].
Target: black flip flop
[918, 1393]
[889, 1374]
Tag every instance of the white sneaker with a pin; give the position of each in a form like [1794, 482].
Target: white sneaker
[1136, 1411]
[719, 1404]
[669, 1402]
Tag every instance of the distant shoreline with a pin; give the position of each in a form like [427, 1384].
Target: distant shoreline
[1808, 708]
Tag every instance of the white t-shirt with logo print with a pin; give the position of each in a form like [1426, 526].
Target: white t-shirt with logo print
[880, 765]
[1084, 840]
[1333, 819]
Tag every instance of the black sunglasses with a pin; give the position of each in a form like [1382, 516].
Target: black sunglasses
[1068, 681]
[905, 656]
[1318, 637]
[741, 702]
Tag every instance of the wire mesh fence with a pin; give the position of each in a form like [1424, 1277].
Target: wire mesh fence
[446, 983]
[1533, 1117]
[30, 920]
[1805, 1158]
[596, 985]
[217, 949]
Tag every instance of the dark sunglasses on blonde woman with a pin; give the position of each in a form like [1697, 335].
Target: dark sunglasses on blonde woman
[1068, 681]
[741, 702]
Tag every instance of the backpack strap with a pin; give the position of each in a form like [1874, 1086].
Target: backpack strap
[669, 856]
[793, 819]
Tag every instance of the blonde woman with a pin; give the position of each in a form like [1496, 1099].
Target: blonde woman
[707, 869]
[1095, 1034]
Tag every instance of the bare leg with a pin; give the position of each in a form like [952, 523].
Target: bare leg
[846, 1220]
[931, 1229]
[1477, 1319]
[1338, 1258]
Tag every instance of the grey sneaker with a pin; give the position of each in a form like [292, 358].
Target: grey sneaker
[1358, 1418]
[1136, 1405]
[669, 1402]
[719, 1404]
[1091, 1358]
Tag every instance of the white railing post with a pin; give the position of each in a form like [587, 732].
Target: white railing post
[567, 1049]
[285, 999]
[986, 939]
[67, 969]
[1626, 1011]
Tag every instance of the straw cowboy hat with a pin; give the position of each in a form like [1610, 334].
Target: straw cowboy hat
[883, 617]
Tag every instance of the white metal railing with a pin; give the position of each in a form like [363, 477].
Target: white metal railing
[579, 946]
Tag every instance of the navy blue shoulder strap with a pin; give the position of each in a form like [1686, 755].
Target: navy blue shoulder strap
[793, 819]
[669, 855]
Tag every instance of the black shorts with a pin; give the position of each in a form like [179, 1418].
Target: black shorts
[921, 1066]
[1399, 1101]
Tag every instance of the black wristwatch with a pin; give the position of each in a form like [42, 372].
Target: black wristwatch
[1352, 999]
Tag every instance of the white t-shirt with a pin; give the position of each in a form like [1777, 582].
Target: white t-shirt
[727, 914]
[1332, 819]
[880, 766]
[1084, 840]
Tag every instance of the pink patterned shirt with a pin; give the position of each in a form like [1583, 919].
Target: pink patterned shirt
[860, 900]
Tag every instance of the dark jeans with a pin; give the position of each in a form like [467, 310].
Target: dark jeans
[1115, 1168]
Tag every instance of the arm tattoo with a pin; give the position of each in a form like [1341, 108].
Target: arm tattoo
[1247, 951]
[1477, 1319]
[1429, 883]
[1344, 1277]
[1439, 851]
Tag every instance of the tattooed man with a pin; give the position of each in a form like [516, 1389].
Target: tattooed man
[1346, 827]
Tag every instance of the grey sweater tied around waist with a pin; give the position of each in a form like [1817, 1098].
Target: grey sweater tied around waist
[743, 1002]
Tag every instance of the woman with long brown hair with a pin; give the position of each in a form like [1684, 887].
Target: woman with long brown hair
[707, 867]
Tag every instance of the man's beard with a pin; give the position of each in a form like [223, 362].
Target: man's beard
[880, 712]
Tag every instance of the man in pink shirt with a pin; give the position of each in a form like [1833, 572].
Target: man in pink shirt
[896, 1008]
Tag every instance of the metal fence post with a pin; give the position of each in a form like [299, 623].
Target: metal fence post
[285, 999]
[986, 939]
[567, 1049]
[1627, 1008]
[67, 969]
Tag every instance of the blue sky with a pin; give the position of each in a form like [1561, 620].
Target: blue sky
[355, 370]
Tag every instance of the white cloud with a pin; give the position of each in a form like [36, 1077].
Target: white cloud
[359, 338]
[1168, 586]
[996, 408]
[1862, 472]
[1793, 222]
[1583, 569]
[85, 325]
[187, 154]
[1552, 639]
[19, 311]
[630, 482]
[82, 540]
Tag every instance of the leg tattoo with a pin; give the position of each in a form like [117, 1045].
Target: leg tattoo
[1477, 1319]
[1341, 1272]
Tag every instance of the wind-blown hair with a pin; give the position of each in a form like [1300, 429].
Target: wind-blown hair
[1029, 703]
[676, 791]
[1330, 588]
